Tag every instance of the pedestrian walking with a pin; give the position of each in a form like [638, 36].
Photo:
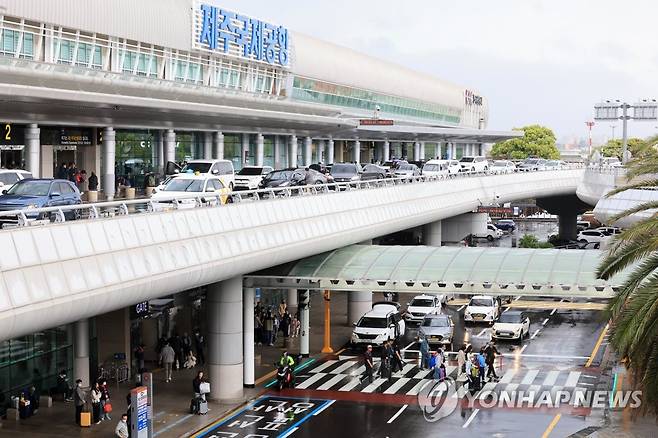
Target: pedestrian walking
[167, 357]
[139, 356]
[199, 345]
[490, 353]
[96, 394]
[482, 364]
[461, 361]
[385, 361]
[186, 344]
[368, 363]
[397, 362]
[176, 344]
[121, 431]
[106, 406]
[424, 353]
[269, 327]
[92, 182]
[79, 399]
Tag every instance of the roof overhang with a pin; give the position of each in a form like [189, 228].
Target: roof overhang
[426, 133]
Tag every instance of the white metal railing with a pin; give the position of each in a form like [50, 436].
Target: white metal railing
[91, 211]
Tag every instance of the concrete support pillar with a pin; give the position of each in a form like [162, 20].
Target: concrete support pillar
[207, 145]
[260, 149]
[159, 151]
[422, 150]
[568, 229]
[304, 300]
[308, 151]
[109, 145]
[320, 154]
[244, 155]
[248, 297]
[33, 145]
[340, 151]
[81, 352]
[225, 354]
[416, 151]
[357, 151]
[219, 146]
[330, 151]
[292, 152]
[432, 234]
[292, 301]
[276, 151]
[358, 303]
[169, 146]
[387, 152]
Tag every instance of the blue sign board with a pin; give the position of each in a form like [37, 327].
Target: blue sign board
[254, 39]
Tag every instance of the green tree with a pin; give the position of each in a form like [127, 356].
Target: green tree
[537, 141]
[530, 241]
[634, 310]
[613, 147]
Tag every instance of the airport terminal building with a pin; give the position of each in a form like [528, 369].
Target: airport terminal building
[122, 87]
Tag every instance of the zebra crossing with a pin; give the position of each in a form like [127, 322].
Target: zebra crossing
[346, 374]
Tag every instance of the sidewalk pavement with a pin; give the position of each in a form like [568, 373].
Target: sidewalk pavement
[172, 400]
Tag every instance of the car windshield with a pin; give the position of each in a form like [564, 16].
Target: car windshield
[250, 171]
[436, 322]
[368, 322]
[30, 188]
[343, 168]
[510, 318]
[481, 302]
[531, 161]
[389, 164]
[372, 168]
[422, 302]
[280, 175]
[184, 185]
[406, 167]
[432, 167]
[196, 167]
[467, 159]
[500, 163]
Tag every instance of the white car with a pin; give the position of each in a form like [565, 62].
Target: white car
[593, 236]
[611, 162]
[384, 322]
[223, 169]
[474, 164]
[436, 168]
[185, 190]
[499, 167]
[421, 306]
[482, 308]
[249, 177]
[512, 324]
[493, 232]
[8, 177]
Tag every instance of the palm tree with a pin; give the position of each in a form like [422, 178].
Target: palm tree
[634, 310]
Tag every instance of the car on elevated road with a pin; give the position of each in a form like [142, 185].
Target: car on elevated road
[436, 168]
[29, 194]
[482, 308]
[531, 164]
[474, 164]
[185, 191]
[346, 172]
[223, 169]
[512, 324]
[293, 177]
[372, 172]
[249, 177]
[9, 177]
[500, 167]
[407, 170]
[383, 323]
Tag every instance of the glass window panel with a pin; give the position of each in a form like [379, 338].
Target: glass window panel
[21, 348]
[28, 46]
[4, 353]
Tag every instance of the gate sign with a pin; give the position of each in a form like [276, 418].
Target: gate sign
[217, 29]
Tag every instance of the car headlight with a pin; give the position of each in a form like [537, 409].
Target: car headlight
[33, 206]
[354, 337]
[354, 178]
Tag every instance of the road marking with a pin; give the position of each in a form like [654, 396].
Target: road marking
[529, 377]
[397, 385]
[351, 385]
[461, 308]
[405, 348]
[523, 348]
[543, 356]
[507, 377]
[589, 377]
[345, 366]
[288, 433]
[422, 374]
[545, 321]
[331, 382]
[174, 424]
[481, 333]
[551, 426]
[506, 309]
[322, 367]
[311, 380]
[397, 414]
[572, 380]
[267, 376]
[553, 312]
[475, 412]
[517, 298]
[420, 385]
[551, 378]
[597, 346]
[486, 390]
[326, 405]
[534, 335]
[374, 385]
[408, 367]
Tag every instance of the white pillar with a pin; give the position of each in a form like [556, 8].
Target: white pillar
[304, 300]
[330, 151]
[33, 145]
[416, 151]
[422, 150]
[358, 303]
[277, 152]
[432, 234]
[292, 301]
[320, 145]
[81, 351]
[308, 151]
[357, 151]
[260, 149]
[225, 355]
[207, 145]
[169, 146]
[244, 155]
[159, 150]
[387, 151]
[292, 151]
[109, 145]
[248, 297]
[219, 146]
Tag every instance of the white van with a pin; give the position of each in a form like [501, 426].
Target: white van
[474, 164]
[223, 169]
[384, 322]
[436, 168]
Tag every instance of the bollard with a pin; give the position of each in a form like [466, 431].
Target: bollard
[130, 194]
[92, 196]
[148, 191]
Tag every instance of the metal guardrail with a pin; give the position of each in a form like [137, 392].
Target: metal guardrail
[45, 215]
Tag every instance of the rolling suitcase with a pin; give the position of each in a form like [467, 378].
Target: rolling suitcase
[203, 407]
[85, 419]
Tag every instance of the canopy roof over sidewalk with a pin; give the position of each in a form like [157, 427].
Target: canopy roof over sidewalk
[497, 271]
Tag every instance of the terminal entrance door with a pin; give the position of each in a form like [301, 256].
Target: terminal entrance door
[11, 157]
[63, 154]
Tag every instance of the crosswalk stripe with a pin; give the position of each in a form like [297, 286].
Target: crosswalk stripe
[529, 377]
[422, 374]
[551, 378]
[405, 369]
[460, 393]
[486, 390]
[416, 389]
[508, 376]
[311, 380]
[351, 384]
[511, 387]
[397, 385]
[572, 380]
[374, 385]
[324, 366]
[535, 389]
[331, 382]
[343, 367]
[360, 370]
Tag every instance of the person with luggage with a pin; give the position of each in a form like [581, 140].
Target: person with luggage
[199, 386]
[386, 356]
[368, 363]
[106, 406]
[79, 398]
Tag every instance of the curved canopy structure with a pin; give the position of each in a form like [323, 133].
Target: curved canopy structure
[500, 271]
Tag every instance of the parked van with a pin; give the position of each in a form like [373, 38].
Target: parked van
[223, 169]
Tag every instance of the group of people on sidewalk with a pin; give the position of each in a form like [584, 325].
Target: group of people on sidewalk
[99, 396]
[179, 352]
[269, 321]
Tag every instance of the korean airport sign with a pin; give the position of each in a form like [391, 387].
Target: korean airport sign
[11, 135]
[375, 122]
[221, 31]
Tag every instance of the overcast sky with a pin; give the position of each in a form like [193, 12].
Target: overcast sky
[536, 61]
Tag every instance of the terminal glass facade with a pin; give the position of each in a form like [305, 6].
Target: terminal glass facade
[10, 40]
[311, 90]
